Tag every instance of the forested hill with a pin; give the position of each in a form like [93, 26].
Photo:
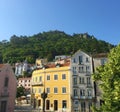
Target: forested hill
[48, 45]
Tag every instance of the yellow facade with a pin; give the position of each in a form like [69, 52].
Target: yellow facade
[56, 82]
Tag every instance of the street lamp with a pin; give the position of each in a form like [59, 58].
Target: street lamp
[44, 94]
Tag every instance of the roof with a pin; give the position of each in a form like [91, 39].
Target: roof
[1, 65]
[54, 65]
[26, 78]
[100, 55]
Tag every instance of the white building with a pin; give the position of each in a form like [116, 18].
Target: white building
[18, 69]
[83, 94]
[22, 67]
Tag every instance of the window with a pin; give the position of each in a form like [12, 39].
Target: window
[55, 77]
[63, 89]
[74, 61]
[75, 92]
[40, 78]
[74, 70]
[83, 107]
[89, 92]
[103, 61]
[48, 77]
[55, 90]
[76, 102]
[34, 90]
[6, 82]
[75, 80]
[89, 107]
[87, 69]
[82, 92]
[88, 81]
[33, 79]
[3, 106]
[81, 80]
[87, 60]
[80, 59]
[81, 69]
[64, 104]
[48, 90]
[36, 79]
[39, 90]
[63, 76]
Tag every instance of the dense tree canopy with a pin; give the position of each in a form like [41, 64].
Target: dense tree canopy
[48, 45]
[20, 91]
[109, 75]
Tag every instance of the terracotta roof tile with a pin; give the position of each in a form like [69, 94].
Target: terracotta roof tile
[1, 65]
[100, 55]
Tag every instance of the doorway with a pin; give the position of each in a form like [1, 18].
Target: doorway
[55, 105]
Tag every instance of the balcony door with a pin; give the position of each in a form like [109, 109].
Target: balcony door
[55, 105]
[3, 106]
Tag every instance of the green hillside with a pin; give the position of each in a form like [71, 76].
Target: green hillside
[48, 45]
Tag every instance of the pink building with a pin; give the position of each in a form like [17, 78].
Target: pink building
[7, 88]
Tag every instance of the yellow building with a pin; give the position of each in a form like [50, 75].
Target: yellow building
[55, 80]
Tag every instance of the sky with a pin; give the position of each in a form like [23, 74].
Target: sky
[100, 18]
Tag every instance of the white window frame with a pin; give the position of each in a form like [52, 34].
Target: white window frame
[64, 90]
[48, 77]
[63, 76]
[48, 90]
[55, 90]
[55, 77]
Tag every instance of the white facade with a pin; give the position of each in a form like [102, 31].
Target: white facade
[20, 68]
[25, 82]
[83, 87]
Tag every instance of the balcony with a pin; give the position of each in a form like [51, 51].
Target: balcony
[88, 73]
[88, 86]
[89, 97]
[75, 97]
[74, 73]
[37, 83]
[83, 97]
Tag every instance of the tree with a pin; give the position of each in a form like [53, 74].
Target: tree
[20, 91]
[48, 45]
[109, 76]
